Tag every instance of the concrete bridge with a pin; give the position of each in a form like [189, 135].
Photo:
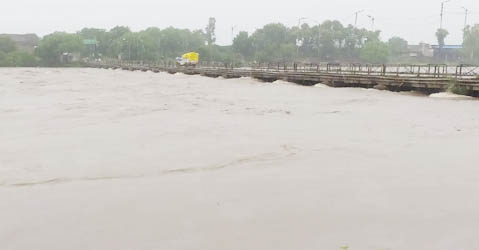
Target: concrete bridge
[422, 78]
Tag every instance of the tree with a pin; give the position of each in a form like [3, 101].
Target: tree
[310, 40]
[101, 37]
[441, 35]
[175, 42]
[19, 59]
[354, 40]
[130, 46]
[7, 45]
[286, 52]
[332, 39]
[218, 54]
[210, 31]
[397, 46]
[110, 45]
[52, 46]
[151, 43]
[471, 43]
[243, 45]
[10, 57]
[118, 32]
[3, 55]
[267, 42]
[329, 41]
[375, 52]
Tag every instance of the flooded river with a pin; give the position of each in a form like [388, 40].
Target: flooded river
[109, 159]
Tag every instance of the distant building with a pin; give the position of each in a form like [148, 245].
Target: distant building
[69, 57]
[24, 42]
[422, 50]
[448, 52]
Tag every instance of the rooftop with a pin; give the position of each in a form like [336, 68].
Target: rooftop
[448, 47]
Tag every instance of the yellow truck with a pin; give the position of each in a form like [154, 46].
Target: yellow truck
[188, 59]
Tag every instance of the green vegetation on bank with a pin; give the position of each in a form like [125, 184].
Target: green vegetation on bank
[454, 87]
[330, 41]
[273, 43]
[10, 56]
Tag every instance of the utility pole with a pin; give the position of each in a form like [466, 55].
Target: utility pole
[233, 34]
[319, 36]
[465, 18]
[297, 36]
[159, 48]
[122, 48]
[372, 22]
[464, 31]
[442, 11]
[356, 19]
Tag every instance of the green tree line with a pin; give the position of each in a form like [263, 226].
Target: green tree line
[330, 41]
[10, 56]
[273, 43]
[471, 43]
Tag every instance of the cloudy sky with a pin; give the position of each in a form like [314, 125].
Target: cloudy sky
[415, 20]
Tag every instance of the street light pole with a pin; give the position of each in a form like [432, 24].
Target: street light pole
[319, 34]
[465, 18]
[232, 34]
[442, 11]
[122, 48]
[297, 36]
[356, 18]
[159, 48]
[372, 22]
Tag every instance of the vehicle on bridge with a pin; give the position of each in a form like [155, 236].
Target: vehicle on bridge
[188, 60]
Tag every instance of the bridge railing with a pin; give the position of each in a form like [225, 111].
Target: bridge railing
[405, 70]
[387, 70]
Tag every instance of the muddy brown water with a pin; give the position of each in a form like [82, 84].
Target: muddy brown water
[109, 159]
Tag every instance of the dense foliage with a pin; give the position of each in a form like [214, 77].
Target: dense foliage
[273, 43]
[11, 57]
[329, 41]
[471, 43]
[53, 46]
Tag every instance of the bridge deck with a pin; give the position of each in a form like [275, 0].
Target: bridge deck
[385, 78]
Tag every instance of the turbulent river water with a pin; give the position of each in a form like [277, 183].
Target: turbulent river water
[109, 159]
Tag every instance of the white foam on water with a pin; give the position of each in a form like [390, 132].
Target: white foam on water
[321, 85]
[247, 79]
[283, 82]
[450, 96]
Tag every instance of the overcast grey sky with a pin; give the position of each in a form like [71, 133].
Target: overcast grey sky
[415, 20]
